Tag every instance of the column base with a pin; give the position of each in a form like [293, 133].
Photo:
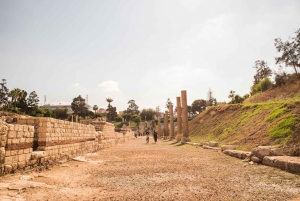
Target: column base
[185, 139]
[179, 137]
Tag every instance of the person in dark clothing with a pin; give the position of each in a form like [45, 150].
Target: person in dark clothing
[155, 136]
[147, 137]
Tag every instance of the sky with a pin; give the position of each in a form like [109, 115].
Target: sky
[147, 51]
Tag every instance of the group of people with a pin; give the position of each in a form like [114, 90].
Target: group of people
[147, 136]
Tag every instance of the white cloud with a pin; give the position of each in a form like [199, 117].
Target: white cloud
[109, 86]
[76, 85]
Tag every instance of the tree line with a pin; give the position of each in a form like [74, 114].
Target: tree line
[290, 57]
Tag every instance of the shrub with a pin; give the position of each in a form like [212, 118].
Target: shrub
[283, 128]
[262, 86]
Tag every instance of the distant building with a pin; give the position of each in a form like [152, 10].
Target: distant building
[70, 111]
[102, 111]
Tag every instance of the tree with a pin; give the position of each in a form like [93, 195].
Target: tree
[22, 101]
[231, 95]
[210, 99]
[109, 108]
[3, 94]
[33, 100]
[148, 113]
[262, 86]
[132, 108]
[262, 71]
[15, 95]
[78, 106]
[198, 105]
[189, 110]
[168, 103]
[112, 113]
[60, 113]
[95, 108]
[290, 51]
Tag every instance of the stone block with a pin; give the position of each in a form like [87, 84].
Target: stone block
[8, 160]
[37, 154]
[2, 143]
[226, 147]
[21, 165]
[22, 157]
[19, 134]
[12, 134]
[11, 127]
[8, 169]
[15, 141]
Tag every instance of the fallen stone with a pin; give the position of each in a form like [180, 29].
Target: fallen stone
[237, 153]
[261, 151]
[80, 159]
[226, 147]
[286, 163]
[213, 144]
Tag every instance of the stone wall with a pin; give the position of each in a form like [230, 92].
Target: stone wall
[41, 142]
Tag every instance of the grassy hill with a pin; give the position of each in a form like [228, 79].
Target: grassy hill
[269, 118]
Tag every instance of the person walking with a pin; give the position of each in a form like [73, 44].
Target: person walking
[155, 137]
[147, 137]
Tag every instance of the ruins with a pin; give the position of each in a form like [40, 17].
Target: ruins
[40, 142]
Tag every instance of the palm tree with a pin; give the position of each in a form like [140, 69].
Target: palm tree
[95, 108]
[231, 95]
[109, 100]
[15, 95]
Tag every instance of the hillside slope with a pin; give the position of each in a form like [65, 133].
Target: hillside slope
[250, 125]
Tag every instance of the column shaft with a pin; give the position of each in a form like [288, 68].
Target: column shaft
[185, 123]
[179, 119]
[171, 122]
[166, 125]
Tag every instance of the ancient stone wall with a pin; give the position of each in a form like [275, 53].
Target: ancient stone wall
[41, 142]
[17, 145]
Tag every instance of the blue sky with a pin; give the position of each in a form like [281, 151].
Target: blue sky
[147, 50]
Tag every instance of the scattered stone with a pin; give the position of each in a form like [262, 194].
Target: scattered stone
[226, 147]
[80, 159]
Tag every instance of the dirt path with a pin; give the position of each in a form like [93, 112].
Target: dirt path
[162, 171]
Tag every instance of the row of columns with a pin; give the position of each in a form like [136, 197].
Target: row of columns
[182, 121]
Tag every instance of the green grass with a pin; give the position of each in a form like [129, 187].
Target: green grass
[282, 129]
[133, 124]
[277, 112]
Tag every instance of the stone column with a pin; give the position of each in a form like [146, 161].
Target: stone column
[171, 122]
[166, 125]
[72, 117]
[76, 118]
[185, 123]
[158, 128]
[179, 120]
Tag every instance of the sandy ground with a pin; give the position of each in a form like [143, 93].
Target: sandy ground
[162, 171]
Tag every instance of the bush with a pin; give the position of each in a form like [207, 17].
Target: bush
[119, 118]
[262, 86]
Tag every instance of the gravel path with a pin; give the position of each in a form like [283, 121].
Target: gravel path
[162, 171]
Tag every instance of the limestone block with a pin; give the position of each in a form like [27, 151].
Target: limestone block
[14, 152]
[22, 157]
[255, 159]
[225, 147]
[262, 151]
[8, 160]
[30, 121]
[7, 168]
[22, 140]
[37, 154]
[31, 129]
[15, 140]
[21, 165]
[19, 134]
[12, 134]
[3, 152]
[2, 143]
[25, 128]
[11, 127]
